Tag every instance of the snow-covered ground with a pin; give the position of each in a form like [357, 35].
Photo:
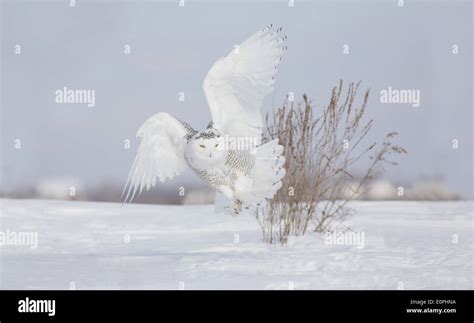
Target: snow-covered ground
[410, 245]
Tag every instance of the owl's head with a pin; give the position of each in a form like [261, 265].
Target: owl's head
[206, 148]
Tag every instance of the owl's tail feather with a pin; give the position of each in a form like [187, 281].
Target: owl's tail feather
[264, 181]
[268, 171]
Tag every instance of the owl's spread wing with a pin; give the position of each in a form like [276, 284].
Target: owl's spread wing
[237, 84]
[160, 155]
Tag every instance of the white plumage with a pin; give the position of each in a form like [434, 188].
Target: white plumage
[160, 154]
[235, 88]
[236, 85]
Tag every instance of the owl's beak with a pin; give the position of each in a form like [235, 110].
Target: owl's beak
[210, 155]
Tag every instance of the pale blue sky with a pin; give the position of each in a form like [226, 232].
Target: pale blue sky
[172, 48]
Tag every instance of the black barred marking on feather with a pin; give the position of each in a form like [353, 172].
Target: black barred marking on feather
[240, 160]
[190, 132]
[235, 161]
[207, 135]
[215, 179]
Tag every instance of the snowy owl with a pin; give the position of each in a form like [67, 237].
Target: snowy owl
[235, 88]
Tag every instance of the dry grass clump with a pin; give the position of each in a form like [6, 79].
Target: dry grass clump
[320, 148]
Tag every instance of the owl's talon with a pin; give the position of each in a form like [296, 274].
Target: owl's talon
[237, 207]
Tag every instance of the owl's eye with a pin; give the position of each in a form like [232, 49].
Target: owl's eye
[202, 146]
[216, 145]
